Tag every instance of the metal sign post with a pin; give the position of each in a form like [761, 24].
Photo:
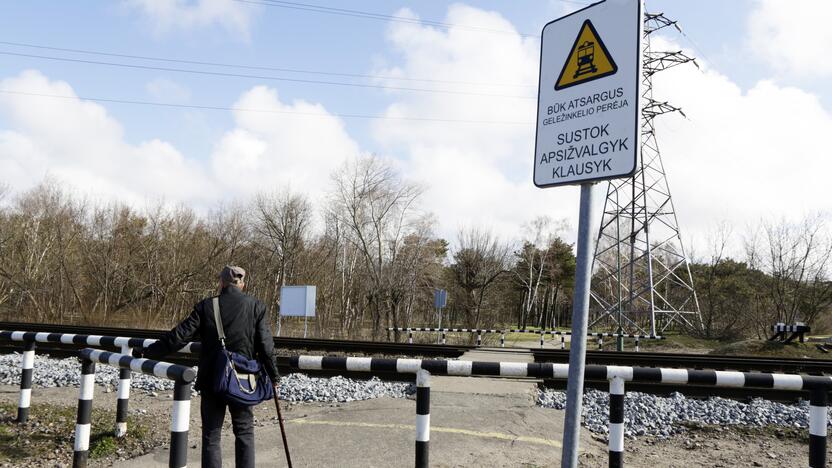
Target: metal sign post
[580, 317]
[440, 300]
[588, 130]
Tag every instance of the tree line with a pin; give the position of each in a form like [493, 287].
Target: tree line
[369, 248]
[373, 254]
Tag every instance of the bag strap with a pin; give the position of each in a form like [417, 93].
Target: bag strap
[218, 321]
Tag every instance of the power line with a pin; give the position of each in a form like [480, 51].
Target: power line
[383, 17]
[265, 111]
[263, 77]
[256, 67]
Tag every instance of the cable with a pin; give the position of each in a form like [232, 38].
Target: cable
[379, 16]
[265, 111]
[259, 77]
[256, 67]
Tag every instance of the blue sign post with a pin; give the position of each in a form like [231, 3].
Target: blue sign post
[440, 301]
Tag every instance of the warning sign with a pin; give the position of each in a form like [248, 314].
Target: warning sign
[589, 103]
[588, 60]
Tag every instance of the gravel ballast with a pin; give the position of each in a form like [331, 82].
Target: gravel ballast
[50, 372]
[661, 417]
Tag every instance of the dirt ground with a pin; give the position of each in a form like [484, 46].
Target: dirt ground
[468, 433]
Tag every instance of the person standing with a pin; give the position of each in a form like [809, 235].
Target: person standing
[247, 331]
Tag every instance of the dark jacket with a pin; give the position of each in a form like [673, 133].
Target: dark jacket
[246, 324]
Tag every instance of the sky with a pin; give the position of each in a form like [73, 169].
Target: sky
[134, 100]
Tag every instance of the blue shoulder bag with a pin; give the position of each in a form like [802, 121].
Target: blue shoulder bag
[237, 379]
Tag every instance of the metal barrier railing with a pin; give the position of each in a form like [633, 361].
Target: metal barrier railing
[817, 386]
[125, 343]
[542, 333]
[181, 414]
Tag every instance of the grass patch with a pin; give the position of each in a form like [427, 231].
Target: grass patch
[48, 434]
[771, 348]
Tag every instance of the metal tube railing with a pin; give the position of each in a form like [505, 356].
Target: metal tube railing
[181, 413]
[818, 386]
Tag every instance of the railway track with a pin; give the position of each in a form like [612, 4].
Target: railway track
[309, 344]
[693, 361]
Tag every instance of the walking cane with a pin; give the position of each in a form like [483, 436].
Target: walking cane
[282, 430]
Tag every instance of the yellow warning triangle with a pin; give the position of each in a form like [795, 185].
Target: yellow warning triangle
[588, 60]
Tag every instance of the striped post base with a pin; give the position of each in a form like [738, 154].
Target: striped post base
[27, 366]
[616, 435]
[82, 423]
[422, 418]
[124, 377]
[817, 427]
[179, 425]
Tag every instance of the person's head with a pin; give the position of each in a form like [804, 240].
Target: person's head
[232, 276]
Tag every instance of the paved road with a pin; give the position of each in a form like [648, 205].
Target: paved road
[474, 422]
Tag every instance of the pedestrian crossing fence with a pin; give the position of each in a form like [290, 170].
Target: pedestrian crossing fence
[125, 344]
[483, 331]
[617, 376]
[182, 376]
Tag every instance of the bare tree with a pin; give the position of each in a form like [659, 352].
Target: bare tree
[378, 209]
[478, 261]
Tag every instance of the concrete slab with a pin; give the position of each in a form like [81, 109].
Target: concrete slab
[466, 430]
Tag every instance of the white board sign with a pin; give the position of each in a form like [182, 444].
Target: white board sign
[297, 301]
[588, 107]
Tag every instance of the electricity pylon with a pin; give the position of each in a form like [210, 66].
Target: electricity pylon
[642, 281]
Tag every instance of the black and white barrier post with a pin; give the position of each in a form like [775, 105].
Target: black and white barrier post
[817, 427]
[422, 418]
[409, 337]
[443, 337]
[124, 381]
[616, 429]
[636, 344]
[27, 367]
[183, 376]
[81, 449]
[180, 420]
[562, 342]
[502, 340]
[479, 339]
[600, 343]
[541, 338]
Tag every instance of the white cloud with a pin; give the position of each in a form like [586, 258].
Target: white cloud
[741, 155]
[793, 37]
[476, 174]
[270, 150]
[163, 89]
[77, 142]
[170, 15]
